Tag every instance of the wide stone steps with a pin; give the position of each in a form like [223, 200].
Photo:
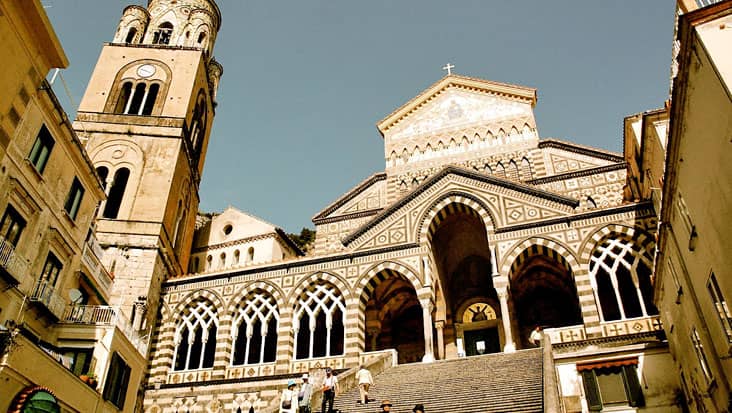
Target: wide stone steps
[502, 382]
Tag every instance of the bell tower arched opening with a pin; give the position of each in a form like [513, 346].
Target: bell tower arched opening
[464, 284]
[392, 308]
[543, 292]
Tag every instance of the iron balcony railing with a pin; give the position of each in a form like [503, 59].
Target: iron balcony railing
[12, 262]
[45, 294]
[106, 316]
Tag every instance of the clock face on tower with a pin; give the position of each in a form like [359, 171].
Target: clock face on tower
[146, 70]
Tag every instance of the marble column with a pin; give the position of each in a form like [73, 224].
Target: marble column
[439, 327]
[429, 355]
[509, 347]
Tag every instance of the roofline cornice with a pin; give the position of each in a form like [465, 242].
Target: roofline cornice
[578, 174]
[581, 149]
[497, 88]
[379, 176]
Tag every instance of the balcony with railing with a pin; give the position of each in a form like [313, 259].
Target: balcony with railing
[13, 266]
[104, 315]
[94, 268]
[45, 294]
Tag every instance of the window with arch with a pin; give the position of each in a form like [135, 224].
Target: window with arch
[201, 38]
[198, 125]
[500, 170]
[222, 260]
[103, 173]
[620, 271]
[525, 169]
[513, 170]
[116, 192]
[163, 34]
[131, 35]
[318, 322]
[178, 228]
[209, 262]
[254, 329]
[137, 98]
[195, 337]
[236, 257]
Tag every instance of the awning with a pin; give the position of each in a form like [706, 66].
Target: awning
[603, 364]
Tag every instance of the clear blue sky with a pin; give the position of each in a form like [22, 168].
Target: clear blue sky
[306, 81]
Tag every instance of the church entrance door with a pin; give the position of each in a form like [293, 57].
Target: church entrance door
[483, 341]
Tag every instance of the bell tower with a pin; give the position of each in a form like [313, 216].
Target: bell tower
[146, 119]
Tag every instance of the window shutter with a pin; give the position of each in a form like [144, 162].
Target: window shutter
[592, 392]
[633, 387]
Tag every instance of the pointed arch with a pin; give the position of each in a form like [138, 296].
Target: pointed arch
[513, 170]
[526, 169]
[449, 203]
[534, 245]
[319, 320]
[195, 335]
[500, 170]
[620, 275]
[254, 328]
[368, 281]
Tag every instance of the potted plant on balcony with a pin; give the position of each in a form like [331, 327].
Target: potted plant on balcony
[90, 379]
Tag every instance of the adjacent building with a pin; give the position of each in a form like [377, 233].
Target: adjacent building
[693, 261]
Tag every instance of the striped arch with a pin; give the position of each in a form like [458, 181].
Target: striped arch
[267, 286]
[209, 295]
[638, 235]
[548, 247]
[451, 203]
[334, 279]
[378, 273]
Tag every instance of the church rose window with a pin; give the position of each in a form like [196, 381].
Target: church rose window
[620, 271]
[195, 337]
[318, 322]
[254, 330]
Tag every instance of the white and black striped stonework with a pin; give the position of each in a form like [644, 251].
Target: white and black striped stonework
[454, 204]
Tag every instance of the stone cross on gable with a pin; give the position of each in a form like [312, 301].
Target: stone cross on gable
[449, 68]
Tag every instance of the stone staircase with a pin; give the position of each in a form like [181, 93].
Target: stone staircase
[502, 382]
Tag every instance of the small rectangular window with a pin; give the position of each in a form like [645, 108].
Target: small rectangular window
[118, 377]
[699, 349]
[73, 200]
[78, 360]
[720, 304]
[11, 226]
[41, 150]
[51, 269]
[612, 385]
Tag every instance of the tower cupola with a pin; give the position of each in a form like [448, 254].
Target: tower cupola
[185, 23]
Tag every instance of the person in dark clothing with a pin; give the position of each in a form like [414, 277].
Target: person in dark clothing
[385, 406]
[418, 408]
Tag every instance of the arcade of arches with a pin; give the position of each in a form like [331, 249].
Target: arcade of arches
[474, 310]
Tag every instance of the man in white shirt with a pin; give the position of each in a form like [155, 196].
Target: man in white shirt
[330, 389]
[364, 382]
